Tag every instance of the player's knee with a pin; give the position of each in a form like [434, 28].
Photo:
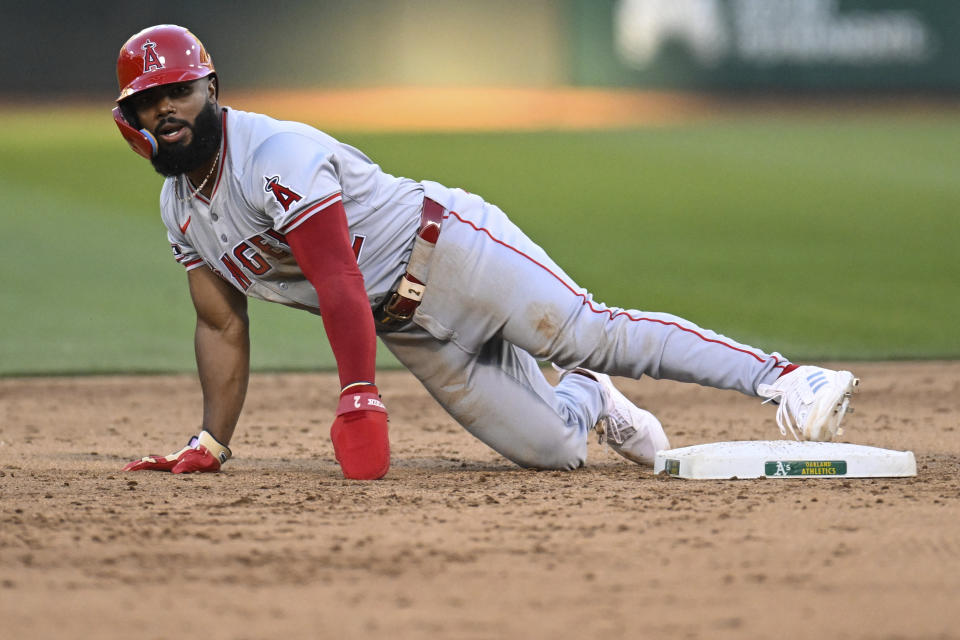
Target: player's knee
[553, 459]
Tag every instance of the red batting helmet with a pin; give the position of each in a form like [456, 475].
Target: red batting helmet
[160, 55]
[156, 56]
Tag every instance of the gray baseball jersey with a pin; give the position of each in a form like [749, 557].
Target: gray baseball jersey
[495, 304]
[273, 176]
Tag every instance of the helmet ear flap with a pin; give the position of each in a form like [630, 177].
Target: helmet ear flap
[128, 114]
[140, 140]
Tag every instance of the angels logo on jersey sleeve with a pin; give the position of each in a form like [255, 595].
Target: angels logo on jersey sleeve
[296, 176]
[284, 195]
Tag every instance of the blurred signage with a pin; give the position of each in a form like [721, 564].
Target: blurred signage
[830, 44]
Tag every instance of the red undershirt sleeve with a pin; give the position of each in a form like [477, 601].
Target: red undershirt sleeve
[321, 246]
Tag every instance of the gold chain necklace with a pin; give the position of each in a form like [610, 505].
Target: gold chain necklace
[202, 184]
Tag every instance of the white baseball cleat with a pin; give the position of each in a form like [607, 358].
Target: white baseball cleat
[813, 401]
[634, 433]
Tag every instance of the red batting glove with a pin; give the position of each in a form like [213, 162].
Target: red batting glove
[199, 460]
[203, 453]
[158, 462]
[359, 434]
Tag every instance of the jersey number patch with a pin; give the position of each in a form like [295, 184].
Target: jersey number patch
[284, 195]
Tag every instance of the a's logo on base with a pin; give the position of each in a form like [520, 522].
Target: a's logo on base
[783, 468]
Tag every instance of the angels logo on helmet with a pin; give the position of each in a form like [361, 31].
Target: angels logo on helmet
[150, 59]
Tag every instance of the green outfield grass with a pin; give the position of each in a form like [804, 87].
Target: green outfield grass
[822, 238]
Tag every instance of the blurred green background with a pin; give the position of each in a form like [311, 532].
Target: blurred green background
[817, 237]
[823, 235]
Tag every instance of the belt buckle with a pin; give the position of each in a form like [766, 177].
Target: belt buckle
[392, 314]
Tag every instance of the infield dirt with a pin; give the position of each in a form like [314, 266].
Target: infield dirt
[456, 542]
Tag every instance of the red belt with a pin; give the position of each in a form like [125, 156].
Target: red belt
[399, 307]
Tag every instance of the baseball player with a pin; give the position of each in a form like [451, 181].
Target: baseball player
[256, 207]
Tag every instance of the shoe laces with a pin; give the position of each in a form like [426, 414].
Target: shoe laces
[606, 431]
[614, 427]
[785, 419]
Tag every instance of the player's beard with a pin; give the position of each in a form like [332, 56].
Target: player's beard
[177, 158]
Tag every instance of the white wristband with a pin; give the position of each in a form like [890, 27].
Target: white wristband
[219, 451]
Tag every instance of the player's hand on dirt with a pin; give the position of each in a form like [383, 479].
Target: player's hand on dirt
[202, 454]
[359, 434]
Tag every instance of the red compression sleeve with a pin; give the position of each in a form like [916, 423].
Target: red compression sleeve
[322, 248]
